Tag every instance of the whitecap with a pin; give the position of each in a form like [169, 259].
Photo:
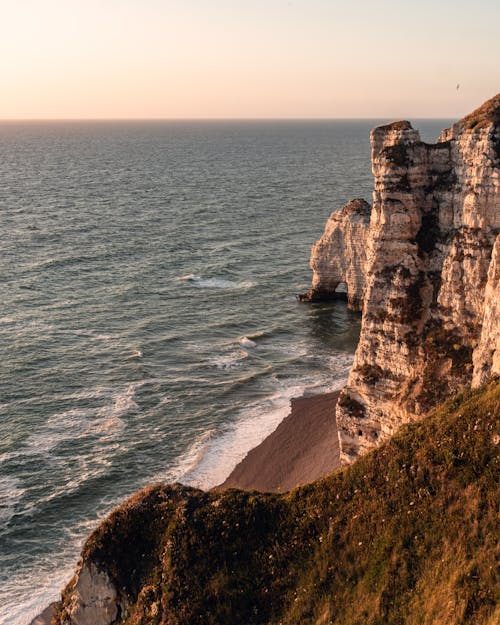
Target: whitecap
[136, 353]
[188, 278]
[190, 460]
[215, 283]
[124, 401]
[230, 360]
[82, 422]
[11, 491]
[246, 342]
[35, 326]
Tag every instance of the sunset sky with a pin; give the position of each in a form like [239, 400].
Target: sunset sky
[247, 59]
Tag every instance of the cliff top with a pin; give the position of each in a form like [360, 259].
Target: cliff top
[401, 124]
[486, 114]
[358, 205]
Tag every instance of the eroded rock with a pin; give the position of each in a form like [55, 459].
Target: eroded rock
[94, 599]
[435, 216]
[422, 268]
[340, 256]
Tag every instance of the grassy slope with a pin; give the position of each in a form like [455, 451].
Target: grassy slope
[408, 535]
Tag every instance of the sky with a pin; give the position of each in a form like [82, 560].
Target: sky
[63, 59]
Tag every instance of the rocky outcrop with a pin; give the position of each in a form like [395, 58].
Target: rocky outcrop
[430, 308]
[339, 257]
[93, 600]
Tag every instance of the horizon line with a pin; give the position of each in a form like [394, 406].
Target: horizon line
[209, 119]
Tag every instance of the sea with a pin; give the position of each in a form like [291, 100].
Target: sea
[149, 326]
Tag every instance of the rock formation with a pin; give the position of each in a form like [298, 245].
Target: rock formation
[94, 599]
[431, 296]
[340, 256]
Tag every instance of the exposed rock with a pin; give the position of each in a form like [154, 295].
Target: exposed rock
[435, 218]
[93, 600]
[487, 354]
[340, 256]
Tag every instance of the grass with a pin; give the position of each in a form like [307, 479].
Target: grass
[408, 535]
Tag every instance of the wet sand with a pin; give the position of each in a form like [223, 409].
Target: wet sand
[303, 448]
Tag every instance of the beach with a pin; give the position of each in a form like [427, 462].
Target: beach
[303, 448]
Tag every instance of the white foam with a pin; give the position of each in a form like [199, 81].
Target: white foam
[21, 610]
[124, 401]
[246, 342]
[218, 455]
[230, 360]
[81, 422]
[188, 277]
[191, 459]
[215, 283]
[136, 353]
[35, 326]
[47, 262]
[11, 491]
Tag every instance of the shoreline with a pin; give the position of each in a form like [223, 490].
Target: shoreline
[303, 448]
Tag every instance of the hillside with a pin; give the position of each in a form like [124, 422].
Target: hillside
[406, 535]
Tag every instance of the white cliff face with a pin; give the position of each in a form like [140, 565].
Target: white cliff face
[340, 255]
[487, 354]
[431, 285]
[94, 599]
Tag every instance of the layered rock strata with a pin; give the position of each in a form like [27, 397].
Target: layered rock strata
[431, 296]
[486, 356]
[339, 257]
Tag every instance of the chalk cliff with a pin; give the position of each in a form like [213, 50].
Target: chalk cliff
[339, 257]
[431, 296]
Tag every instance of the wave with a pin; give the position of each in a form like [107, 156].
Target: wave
[215, 283]
[16, 610]
[247, 342]
[230, 360]
[11, 491]
[64, 261]
[217, 455]
[78, 423]
[188, 462]
[124, 401]
[136, 354]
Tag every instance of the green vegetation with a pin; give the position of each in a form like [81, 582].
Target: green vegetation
[408, 535]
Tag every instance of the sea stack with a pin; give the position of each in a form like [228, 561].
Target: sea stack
[339, 257]
[431, 284]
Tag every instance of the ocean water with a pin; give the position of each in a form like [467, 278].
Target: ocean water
[149, 329]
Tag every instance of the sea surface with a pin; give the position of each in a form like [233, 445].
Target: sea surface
[148, 323]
